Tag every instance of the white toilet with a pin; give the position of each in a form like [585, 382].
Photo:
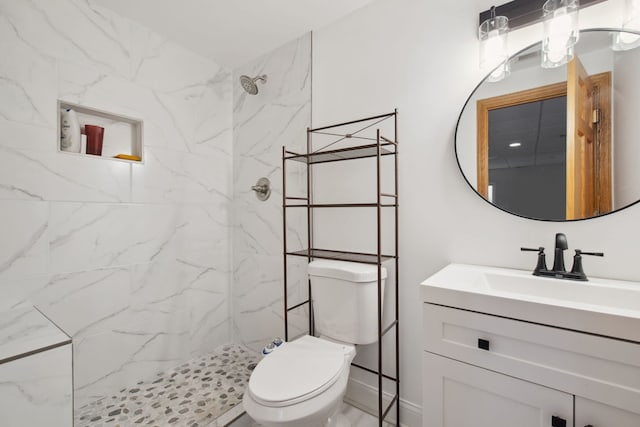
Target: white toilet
[302, 382]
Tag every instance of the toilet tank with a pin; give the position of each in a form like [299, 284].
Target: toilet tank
[345, 300]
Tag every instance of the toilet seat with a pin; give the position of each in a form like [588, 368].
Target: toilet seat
[298, 371]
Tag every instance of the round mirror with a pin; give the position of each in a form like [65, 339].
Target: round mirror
[558, 144]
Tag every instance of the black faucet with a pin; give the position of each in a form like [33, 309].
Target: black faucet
[558, 271]
[558, 256]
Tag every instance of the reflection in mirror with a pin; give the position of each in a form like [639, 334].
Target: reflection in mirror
[526, 157]
[556, 144]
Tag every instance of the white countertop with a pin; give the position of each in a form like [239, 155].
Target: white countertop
[601, 306]
[25, 331]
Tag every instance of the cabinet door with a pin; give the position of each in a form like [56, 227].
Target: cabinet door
[456, 394]
[595, 414]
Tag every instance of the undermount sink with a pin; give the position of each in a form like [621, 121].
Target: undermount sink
[600, 306]
[597, 291]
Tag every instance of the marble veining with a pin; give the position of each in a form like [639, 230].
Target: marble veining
[131, 260]
[36, 390]
[279, 115]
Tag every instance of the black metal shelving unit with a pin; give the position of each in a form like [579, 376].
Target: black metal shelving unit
[375, 148]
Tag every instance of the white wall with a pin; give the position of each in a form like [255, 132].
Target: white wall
[626, 150]
[131, 260]
[422, 57]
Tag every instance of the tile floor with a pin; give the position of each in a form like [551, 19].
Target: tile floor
[194, 394]
[360, 418]
[357, 417]
[205, 392]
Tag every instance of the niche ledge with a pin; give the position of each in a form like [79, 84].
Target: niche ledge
[122, 134]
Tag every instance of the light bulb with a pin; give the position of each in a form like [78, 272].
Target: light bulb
[628, 38]
[493, 47]
[560, 32]
[631, 22]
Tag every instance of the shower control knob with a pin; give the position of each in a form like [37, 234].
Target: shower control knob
[277, 341]
[262, 189]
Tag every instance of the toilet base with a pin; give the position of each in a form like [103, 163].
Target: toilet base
[320, 410]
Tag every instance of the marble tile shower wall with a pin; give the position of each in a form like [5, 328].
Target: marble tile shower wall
[131, 260]
[278, 115]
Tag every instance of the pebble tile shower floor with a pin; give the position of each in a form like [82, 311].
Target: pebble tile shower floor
[192, 395]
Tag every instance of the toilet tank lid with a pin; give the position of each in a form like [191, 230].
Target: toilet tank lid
[350, 271]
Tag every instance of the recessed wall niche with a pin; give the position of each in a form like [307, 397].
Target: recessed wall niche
[122, 136]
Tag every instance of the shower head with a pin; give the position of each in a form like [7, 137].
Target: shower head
[250, 85]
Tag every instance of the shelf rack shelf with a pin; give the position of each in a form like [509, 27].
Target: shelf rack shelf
[382, 147]
[362, 258]
[350, 153]
[343, 205]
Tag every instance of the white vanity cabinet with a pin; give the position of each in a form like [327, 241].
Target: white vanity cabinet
[458, 394]
[596, 414]
[483, 370]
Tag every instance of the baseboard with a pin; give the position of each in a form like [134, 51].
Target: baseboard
[365, 397]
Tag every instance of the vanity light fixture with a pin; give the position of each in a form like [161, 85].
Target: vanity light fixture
[515, 144]
[560, 32]
[631, 21]
[560, 25]
[494, 56]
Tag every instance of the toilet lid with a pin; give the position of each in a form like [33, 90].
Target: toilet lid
[294, 374]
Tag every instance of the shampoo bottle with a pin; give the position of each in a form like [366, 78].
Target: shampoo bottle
[69, 131]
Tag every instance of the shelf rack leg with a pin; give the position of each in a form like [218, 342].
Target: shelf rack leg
[284, 243]
[309, 230]
[379, 231]
[397, 284]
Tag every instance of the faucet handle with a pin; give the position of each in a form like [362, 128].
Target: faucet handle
[577, 263]
[580, 252]
[542, 259]
[540, 250]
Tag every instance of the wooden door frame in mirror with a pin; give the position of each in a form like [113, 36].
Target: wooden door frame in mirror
[555, 90]
[541, 93]
[602, 185]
